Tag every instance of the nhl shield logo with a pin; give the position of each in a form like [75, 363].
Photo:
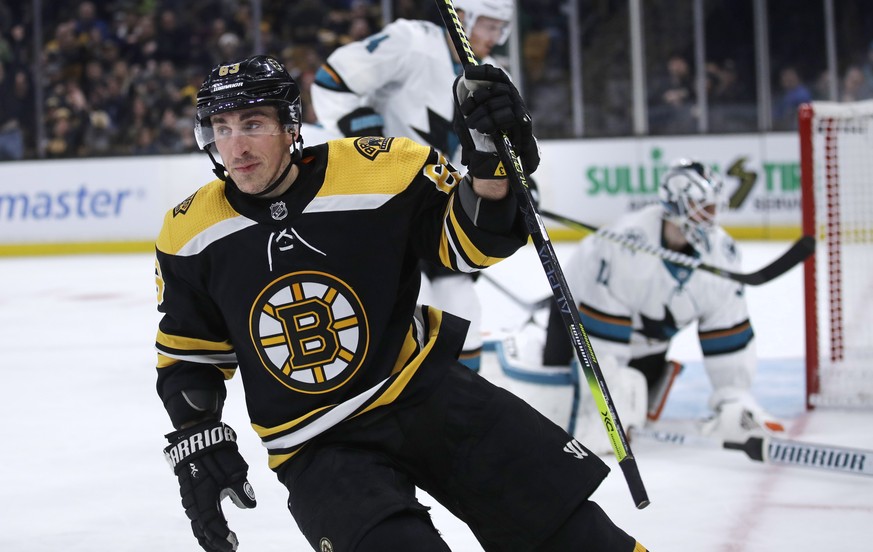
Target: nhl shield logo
[278, 210]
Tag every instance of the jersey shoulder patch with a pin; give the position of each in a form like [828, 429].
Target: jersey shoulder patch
[380, 165]
[201, 210]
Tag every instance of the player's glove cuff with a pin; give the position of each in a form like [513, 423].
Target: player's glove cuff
[193, 442]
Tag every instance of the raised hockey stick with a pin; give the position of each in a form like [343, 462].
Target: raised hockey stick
[560, 288]
[775, 450]
[796, 254]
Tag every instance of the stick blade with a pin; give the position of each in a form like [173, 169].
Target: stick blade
[797, 253]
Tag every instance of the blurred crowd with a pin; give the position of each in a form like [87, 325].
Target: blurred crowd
[121, 76]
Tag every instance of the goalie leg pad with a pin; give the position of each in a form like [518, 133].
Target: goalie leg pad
[520, 357]
[629, 392]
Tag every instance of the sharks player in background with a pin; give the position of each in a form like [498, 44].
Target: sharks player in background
[632, 304]
[299, 268]
[396, 83]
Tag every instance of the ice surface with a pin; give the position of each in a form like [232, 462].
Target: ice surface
[82, 428]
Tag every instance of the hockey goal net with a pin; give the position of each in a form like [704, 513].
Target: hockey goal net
[836, 156]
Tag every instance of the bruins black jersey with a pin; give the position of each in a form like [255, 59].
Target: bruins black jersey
[311, 295]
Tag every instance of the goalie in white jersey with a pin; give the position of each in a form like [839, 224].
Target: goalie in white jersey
[633, 303]
[396, 83]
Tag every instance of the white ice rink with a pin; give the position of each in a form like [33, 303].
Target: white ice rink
[81, 429]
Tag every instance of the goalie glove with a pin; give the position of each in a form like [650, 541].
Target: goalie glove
[488, 103]
[207, 462]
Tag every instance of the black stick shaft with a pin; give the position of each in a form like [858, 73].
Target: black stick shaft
[557, 281]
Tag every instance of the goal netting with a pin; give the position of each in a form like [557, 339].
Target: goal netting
[836, 147]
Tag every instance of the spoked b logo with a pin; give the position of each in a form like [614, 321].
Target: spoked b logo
[310, 331]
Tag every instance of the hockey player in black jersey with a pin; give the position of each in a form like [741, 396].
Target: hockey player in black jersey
[299, 268]
[397, 83]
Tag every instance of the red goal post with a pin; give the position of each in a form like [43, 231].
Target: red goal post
[836, 162]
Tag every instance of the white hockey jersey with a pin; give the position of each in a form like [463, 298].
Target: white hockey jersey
[404, 73]
[632, 303]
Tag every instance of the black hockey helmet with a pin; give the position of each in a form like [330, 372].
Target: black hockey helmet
[256, 80]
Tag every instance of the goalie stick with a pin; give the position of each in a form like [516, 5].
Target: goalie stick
[775, 450]
[555, 275]
[797, 253]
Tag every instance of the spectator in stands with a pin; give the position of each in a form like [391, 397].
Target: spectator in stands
[11, 134]
[726, 86]
[672, 99]
[99, 136]
[302, 63]
[731, 105]
[168, 139]
[229, 47]
[19, 45]
[794, 93]
[173, 42]
[301, 21]
[22, 99]
[138, 120]
[142, 43]
[123, 27]
[64, 56]
[93, 76]
[853, 86]
[63, 133]
[113, 96]
[144, 142]
[87, 26]
[867, 67]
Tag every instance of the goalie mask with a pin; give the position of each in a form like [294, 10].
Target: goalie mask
[254, 81]
[495, 9]
[691, 197]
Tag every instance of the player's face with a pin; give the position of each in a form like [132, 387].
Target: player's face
[253, 146]
[486, 34]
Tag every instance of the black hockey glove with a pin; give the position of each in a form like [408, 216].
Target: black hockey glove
[489, 103]
[363, 121]
[208, 464]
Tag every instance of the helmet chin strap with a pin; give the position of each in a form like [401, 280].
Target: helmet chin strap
[221, 171]
[217, 168]
[278, 181]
